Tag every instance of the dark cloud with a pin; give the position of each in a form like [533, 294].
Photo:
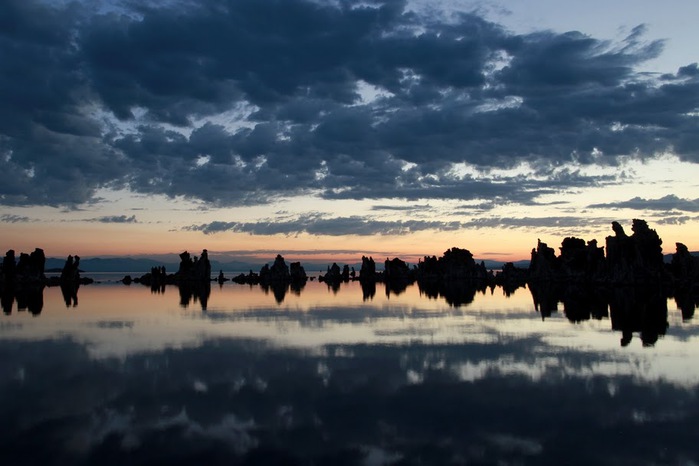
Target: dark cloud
[666, 203]
[319, 224]
[676, 219]
[407, 208]
[115, 219]
[243, 102]
[570, 222]
[51, 150]
[10, 218]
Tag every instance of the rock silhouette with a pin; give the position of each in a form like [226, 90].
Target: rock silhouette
[684, 266]
[71, 270]
[251, 278]
[629, 260]
[29, 269]
[455, 264]
[637, 258]
[23, 281]
[510, 278]
[397, 272]
[684, 269]
[580, 268]
[278, 278]
[9, 268]
[333, 275]
[455, 276]
[278, 272]
[194, 268]
[368, 270]
[297, 273]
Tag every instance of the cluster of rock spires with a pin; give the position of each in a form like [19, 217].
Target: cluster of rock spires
[279, 272]
[631, 281]
[29, 271]
[630, 260]
[24, 280]
[635, 259]
[192, 269]
[454, 276]
[29, 268]
[630, 284]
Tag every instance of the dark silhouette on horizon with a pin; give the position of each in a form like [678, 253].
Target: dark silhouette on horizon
[23, 281]
[581, 277]
[629, 260]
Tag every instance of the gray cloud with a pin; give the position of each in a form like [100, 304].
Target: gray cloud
[537, 222]
[115, 219]
[10, 218]
[406, 208]
[676, 219]
[318, 224]
[666, 203]
[243, 102]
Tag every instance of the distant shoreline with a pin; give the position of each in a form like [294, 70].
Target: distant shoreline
[129, 265]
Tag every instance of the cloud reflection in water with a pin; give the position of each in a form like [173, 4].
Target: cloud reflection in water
[390, 381]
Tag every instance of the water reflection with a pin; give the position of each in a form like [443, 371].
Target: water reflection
[348, 375]
[233, 401]
[629, 310]
[640, 310]
[278, 289]
[456, 293]
[70, 293]
[28, 298]
[687, 299]
[193, 292]
[368, 289]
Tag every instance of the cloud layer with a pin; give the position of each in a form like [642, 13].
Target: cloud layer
[240, 102]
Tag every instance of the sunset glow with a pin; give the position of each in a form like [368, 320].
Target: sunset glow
[325, 131]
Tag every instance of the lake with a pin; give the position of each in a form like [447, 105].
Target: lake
[119, 374]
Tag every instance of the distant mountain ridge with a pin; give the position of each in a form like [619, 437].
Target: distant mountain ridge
[129, 264]
[143, 265]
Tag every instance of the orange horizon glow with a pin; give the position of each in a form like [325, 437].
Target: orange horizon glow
[135, 240]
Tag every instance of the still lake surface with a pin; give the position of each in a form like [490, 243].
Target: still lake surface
[129, 375]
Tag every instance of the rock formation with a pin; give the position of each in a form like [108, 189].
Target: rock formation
[279, 272]
[685, 273]
[397, 271]
[637, 258]
[297, 273]
[629, 259]
[542, 265]
[684, 266]
[194, 268]
[510, 278]
[368, 270]
[251, 278]
[333, 275]
[279, 278]
[9, 268]
[71, 270]
[455, 264]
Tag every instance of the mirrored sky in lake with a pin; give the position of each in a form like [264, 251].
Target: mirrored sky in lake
[131, 375]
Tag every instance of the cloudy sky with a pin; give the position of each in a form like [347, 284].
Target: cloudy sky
[318, 128]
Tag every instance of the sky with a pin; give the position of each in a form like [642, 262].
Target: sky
[335, 129]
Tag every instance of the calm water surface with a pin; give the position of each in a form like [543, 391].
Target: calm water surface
[128, 375]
